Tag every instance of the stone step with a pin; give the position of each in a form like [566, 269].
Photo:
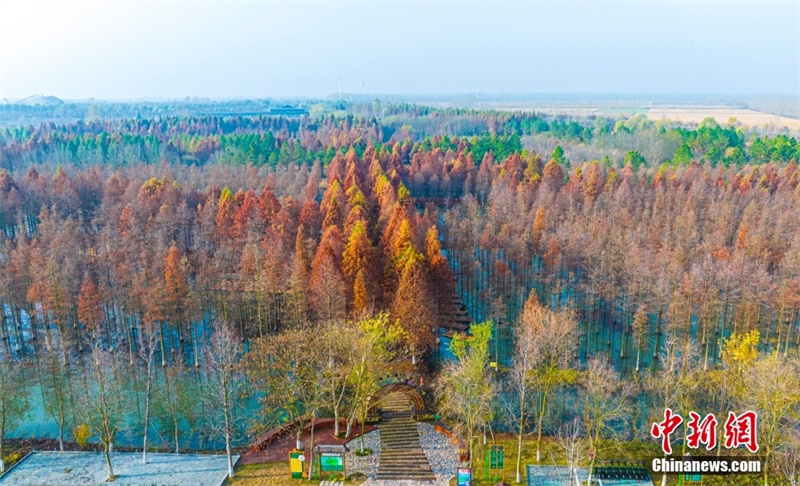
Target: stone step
[405, 472]
[425, 476]
[404, 466]
[406, 461]
[386, 439]
[397, 425]
[400, 477]
[418, 462]
[401, 456]
[400, 444]
[401, 453]
[396, 432]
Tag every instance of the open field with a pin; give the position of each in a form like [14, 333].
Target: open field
[722, 115]
[680, 112]
[276, 474]
[553, 454]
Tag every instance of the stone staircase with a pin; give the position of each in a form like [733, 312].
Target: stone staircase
[401, 453]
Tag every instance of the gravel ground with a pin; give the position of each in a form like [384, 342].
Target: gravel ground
[442, 453]
[367, 464]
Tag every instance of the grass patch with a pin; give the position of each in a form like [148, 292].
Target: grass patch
[277, 474]
[267, 474]
[552, 454]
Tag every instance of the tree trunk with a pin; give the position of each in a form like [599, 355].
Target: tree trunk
[471, 439]
[350, 421]
[177, 432]
[60, 433]
[363, 422]
[228, 439]
[638, 353]
[519, 442]
[107, 450]
[163, 347]
[311, 441]
[196, 349]
[336, 421]
[146, 412]
[542, 411]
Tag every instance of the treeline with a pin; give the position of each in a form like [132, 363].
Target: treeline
[234, 140]
[693, 251]
[272, 141]
[161, 252]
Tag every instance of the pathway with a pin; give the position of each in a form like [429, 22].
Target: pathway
[401, 456]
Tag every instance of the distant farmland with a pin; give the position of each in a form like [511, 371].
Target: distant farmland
[694, 114]
[687, 113]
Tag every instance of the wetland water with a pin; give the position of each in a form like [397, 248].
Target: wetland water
[176, 390]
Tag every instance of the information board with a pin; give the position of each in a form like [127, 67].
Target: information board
[331, 462]
[496, 457]
[296, 459]
[464, 476]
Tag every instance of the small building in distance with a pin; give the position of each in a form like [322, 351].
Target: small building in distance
[288, 110]
[40, 100]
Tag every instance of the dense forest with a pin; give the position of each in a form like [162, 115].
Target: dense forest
[139, 236]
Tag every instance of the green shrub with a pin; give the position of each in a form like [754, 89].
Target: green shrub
[82, 434]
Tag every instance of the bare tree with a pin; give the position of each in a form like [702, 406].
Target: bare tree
[519, 378]
[553, 334]
[13, 397]
[148, 344]
[103, 401]
[604, 402]
[517, 396]
[175, 401]
[675, 383]
[221, 359]
[773, 390]
[337, 339]
[374, 351]
[289, 371]
[465, 388]
[56, 382]
[788, 460]
[569, 438]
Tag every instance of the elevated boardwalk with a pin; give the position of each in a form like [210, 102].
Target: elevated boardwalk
[454, 313]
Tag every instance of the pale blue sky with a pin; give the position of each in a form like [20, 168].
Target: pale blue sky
[122, 50]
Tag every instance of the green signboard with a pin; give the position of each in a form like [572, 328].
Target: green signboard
[692, 478]
[331, 462]
[496, 457]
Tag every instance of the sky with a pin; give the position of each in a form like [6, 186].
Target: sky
[134, 50]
